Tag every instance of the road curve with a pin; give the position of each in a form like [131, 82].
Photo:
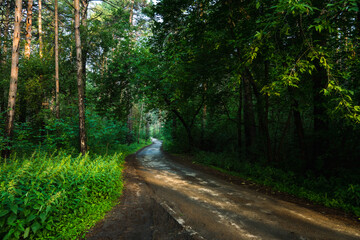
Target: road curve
[210, 208]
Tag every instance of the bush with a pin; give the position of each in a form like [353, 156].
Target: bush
[56, 196]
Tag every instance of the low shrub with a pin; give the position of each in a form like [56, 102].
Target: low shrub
[58, 196]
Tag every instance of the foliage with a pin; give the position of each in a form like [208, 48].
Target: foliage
[58, 195]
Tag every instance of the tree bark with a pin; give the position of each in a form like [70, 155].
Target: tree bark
[28, 29]
[130, 113]
[174, 127]
[14, 75]
[320, 124]
[203, 121]
[131, 12]
[282, 138]
[40, 30]
[249, 116]
[84, 11]
[262, 115]
[147, 130]
[239, 122]
[140, 121]
[6, 32]
[187, 129]
[320, 79]
[300, 132]
[130, 126]
[80, 82]
[57, 84]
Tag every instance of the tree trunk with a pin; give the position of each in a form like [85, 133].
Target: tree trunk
[300, 131]
[283, 135]
[187, 129]
[130, 113]
[239, 122]
[80, 83]
[28, 29]
[14, 75]
[262, 107]
[249, 117]
[266, 115]
[57, 84]
[140, 121]
[6, 32]
[174, 127]
[320, 141]
[320, 79]
[320, 125]
[85, 5]
[130, 127]
[40, 30]
[147, 130]
[203, 121]
[131, 13]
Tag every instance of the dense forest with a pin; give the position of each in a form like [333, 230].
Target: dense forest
[265, 89]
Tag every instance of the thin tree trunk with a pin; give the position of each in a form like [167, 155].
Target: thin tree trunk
[131, 13]
[28, 29]
[147, 130]
[85, 5]
[300, 132]
[14, 75]
[266, 117]
[80, 83]
[249, 117]
[262, 116]
[130, 113]
[239, 122]
[40, 30]
[140, 121]
[4, 57]
[6, 32]
[320, 80]
[57, 84]
[130, 127]
[174, 127]
[283, 135]
[203, 121]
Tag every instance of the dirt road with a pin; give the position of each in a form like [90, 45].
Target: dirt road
[206, 207]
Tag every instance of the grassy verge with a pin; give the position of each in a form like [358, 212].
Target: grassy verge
[58, 196]
[341, 190]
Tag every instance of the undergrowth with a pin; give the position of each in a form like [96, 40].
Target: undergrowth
[342, 190]
[58, 196]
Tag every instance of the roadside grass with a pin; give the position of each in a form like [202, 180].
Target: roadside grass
[59, 195]
[341, 190]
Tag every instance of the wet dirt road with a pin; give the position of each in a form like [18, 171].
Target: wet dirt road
[210, 208]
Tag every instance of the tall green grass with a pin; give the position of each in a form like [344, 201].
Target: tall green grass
[58, 196]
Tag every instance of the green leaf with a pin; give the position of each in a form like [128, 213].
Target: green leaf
[14, 208]
[35, 227]
[43, 217]
[30, 218]
[8, 235]
[3, 212]
[27, 231]
[11, 219]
